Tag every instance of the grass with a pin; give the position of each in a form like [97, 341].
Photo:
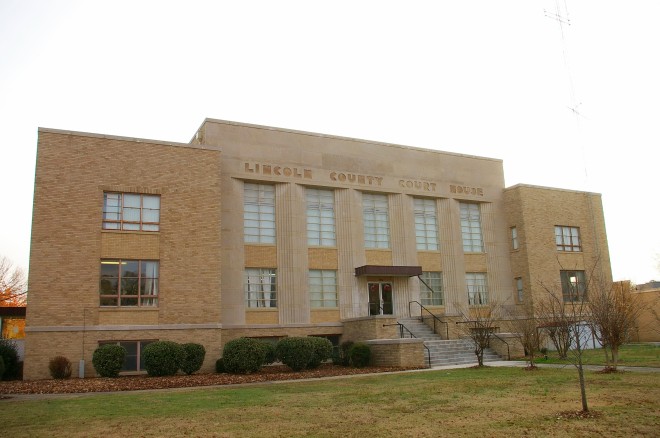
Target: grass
[635, 355]
[495, 402]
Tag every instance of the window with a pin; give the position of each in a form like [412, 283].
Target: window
[259, 213]
[376, 221]
[514, 238]
[426, 224]
[129, 283]
[573, 286]
[131, 211]
[477, 288]
[567, 238]
[433, 296]
[260, 287]
[323, 288]
[471, 227]
[134, 359]
[320, 217]
[519, 289]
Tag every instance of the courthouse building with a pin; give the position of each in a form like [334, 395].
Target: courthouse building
[265, 232]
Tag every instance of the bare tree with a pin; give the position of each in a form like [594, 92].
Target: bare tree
[614, 310]
[13, 286]
[525, 325]
[479, 323]
[564, 311]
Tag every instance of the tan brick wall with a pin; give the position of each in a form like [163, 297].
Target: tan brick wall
[475, 263]
[430, 261]
[260, 256]
[262, 317]
[362, 329]
[398, 353]
[126, 316]
[647, 328]
[378, 257]
[515, 348]
[42, 346]
[73, 170]
[324, 315]
[322, 258]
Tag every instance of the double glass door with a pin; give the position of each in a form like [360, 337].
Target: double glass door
[380, 298]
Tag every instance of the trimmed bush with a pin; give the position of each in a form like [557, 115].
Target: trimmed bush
[321, 351]
[194, 357]
[359, 355]
[340, 354]
[295, 352]
[219, 366]
[59, 367]
[270, 355]
[163, 358]
[9, 355]
[2, 367]
[243, 356]
[108, 360]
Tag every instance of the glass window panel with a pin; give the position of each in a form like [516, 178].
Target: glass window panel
[150, 215]
[130, 360]
[151, 202]
[150, 227]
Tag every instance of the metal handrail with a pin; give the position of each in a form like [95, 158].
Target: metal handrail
[435, 318]
[508, 351]
[492, 332]
[401, 335]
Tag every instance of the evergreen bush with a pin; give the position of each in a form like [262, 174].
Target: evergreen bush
[243, 355]
[163, 358]
[295, 352]
[340, 354]
[2, 367]
[59, 367]
[270, 355]
[108, 360]
[194, 357]
[9, 354]
[321, 351]
[359, 355]
[220, 366]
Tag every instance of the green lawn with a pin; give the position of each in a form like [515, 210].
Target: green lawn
[636, 355]
[494, 402]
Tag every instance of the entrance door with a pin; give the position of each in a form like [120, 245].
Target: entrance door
[380, 299]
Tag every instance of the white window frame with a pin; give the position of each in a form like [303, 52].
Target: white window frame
[260, 286]
[514, 238]
[320, 217]
[323, 288]
[376, 221]
[426, 224]
[519, 289]
[259, 213]
[471, 227]
[477, 288]
[436, 296]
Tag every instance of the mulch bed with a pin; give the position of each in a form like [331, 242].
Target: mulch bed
[133, 383]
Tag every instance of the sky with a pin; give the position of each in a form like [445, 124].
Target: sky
[565, 92]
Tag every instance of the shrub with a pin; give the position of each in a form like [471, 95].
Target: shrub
[340, 354]
[295, 352]
[59, 367]
[359, 355]
[2, 367]
[270, 355]
[321, 351]
[108, 360]
[219, 366]
[243, 355]
[9, 354]
[163, 358]
[193, 358]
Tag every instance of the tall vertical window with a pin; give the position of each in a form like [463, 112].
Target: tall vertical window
[477, 288]
[323, 288]
[514, 238]
[567, 238]
[260, 287]
[129, 283]
[259, 213]
[471, 227]
[376, 221]
[426, 224]
[519, 289]
[320, 217]
[430, 291]
[573, 286]
[131, 211]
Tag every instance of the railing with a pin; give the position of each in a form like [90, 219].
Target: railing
[435, 318]
[490, 329]
[402, 330]
[508, 351]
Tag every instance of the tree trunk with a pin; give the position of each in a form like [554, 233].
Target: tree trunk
[615, 356]
[583, 389]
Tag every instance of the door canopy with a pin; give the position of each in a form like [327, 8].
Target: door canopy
[389, 271]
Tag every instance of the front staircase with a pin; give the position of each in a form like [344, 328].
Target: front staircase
[442, 351]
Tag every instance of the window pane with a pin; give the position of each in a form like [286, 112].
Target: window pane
[131, 200]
